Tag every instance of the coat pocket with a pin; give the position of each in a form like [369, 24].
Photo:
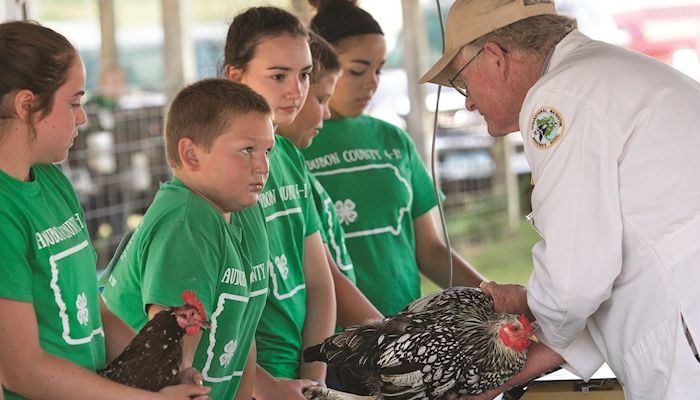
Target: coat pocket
[679, 245]
[647, 364]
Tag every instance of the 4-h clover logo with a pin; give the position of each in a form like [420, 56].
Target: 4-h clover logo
[346, 211]
[229, 349]
[281, 263]
[81, 304]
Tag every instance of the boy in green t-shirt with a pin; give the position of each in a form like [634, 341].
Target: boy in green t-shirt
[353, 306]
[217, 135]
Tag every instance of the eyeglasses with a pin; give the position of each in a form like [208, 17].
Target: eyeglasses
[457, 82]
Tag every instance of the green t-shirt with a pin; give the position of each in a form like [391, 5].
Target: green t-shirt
[255, 241]
[332, 231]
[291, 217]
[379, 185]
[183, 243]
[48, 260]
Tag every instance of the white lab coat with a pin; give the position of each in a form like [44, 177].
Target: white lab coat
[617, 202]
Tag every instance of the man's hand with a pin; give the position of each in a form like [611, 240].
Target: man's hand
[508, 298]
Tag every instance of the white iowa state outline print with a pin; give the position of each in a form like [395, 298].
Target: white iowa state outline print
[394, 230]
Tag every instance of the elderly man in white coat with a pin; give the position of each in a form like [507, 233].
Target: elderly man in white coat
[613, 140]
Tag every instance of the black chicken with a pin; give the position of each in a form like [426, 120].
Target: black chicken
[152, 359]
[448, 342]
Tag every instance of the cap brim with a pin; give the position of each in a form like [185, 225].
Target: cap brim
[442, 71]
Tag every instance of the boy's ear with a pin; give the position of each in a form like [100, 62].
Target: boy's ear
[233, 73]
[189, 154]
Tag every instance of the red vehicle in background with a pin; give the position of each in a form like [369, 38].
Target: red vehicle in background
[668, 33]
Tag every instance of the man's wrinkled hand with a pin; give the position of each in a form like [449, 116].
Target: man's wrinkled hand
[507, 298]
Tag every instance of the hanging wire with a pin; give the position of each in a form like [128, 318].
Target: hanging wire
[436, 190]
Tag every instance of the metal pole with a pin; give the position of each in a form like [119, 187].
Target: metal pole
[415, 51]
[302, 10]
[14, 10]
[505, 181]
[179, 49]
[112, 77]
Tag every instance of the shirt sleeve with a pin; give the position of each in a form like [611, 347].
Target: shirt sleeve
[180, 258]
[582, 356]
[576, 207]
[316, 190]
[15, 270]
[313, 220]
[421, 181]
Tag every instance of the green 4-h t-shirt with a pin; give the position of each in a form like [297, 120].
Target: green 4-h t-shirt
[183, 243]
[379, 185]
[291, 217]
[46, 259]
[332, 231]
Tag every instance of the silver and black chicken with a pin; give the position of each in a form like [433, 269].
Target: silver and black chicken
[449, 342]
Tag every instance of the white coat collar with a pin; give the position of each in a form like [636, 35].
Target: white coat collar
[568, 44]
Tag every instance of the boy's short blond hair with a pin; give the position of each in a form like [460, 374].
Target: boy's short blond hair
[325, 59]
[202, 111]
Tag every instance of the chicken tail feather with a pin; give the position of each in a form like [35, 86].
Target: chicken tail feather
[313, 353]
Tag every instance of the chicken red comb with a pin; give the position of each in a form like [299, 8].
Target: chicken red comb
[191, 299]
[527, 326]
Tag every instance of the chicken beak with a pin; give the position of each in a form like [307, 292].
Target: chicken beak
[533, 338]
[205, 324]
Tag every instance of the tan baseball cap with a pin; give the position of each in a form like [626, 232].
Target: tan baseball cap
[469, 20]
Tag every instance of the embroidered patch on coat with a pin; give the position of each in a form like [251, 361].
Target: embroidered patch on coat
[546, 127]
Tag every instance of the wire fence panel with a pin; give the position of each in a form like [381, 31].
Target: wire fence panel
[116, 166]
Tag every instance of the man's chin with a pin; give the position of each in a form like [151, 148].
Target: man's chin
[495, 131]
